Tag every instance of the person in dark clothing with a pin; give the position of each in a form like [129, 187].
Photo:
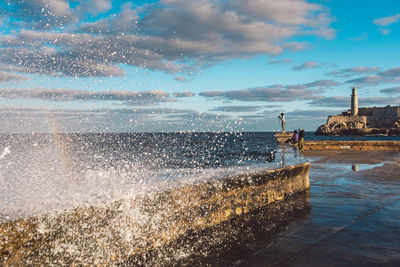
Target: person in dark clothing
[295, 138]
[301, 140]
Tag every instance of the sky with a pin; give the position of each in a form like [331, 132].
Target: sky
[182, 65]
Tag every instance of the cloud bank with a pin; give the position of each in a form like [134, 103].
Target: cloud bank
[128, 97]
[275, 93]
[28, 120]
[346, 73]
[340, 101]
[393, 90]
[57, 38]
[8, 77]
[388, 76]
[307, 65]
[236, 108]
[385, 21]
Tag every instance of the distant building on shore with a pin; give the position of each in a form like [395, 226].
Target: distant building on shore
[363, 121]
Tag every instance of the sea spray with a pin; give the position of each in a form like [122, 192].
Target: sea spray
[112, 198]
[116, 232]
[5, 152]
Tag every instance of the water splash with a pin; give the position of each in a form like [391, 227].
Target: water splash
[123, 195]
[6, 152]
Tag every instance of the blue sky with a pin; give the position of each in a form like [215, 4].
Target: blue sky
[179, 65]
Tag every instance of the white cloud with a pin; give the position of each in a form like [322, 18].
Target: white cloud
[181, 79]
[43, 13]
[275, 93]
[263, 94]
[236, 108]
[391, 75]
[367, 80]
[8, 77]
[307, 65]
[332, 101]
[28, 120]
[183, 94]
[145, 97]
[359, 38]
[345, 73]
[318, 83]
[296, 46]
[385, 21]
[379, 101]
[291, 12]
[123, 22]
[95, 7]
[393, 90]
[385, 31]
[56, 64]
[281, 61]
[85, 55]
[212, 93]
[325, 32]
[339, 101]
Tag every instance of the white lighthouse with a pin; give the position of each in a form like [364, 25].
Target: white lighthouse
[354, 102]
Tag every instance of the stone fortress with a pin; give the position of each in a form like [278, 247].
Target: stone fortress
[363, 121]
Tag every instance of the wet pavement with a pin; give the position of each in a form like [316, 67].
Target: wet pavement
[354, 217]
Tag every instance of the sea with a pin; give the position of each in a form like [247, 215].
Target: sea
[51, 173]
[42, 172]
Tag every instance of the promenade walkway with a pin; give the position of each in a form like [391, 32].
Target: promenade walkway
[354, 217]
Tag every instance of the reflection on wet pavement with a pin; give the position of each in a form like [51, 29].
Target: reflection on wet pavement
[354, 218]
[364, 167]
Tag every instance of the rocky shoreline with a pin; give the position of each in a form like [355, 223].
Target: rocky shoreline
[351, 128]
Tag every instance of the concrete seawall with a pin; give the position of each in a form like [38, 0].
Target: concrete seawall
[352, 145]
[112, 233]
[282, 137]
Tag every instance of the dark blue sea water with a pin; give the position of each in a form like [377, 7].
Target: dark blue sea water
[178, 150]
[186, 150]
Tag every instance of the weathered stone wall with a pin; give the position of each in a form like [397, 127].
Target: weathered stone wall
[383, 112]
[369, 121]
[225, 244]
[112, 233]
[376, 122]
[347, 119]
[352, 145]
[283, 137]
[359, 122]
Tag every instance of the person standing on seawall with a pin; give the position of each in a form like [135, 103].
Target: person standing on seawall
[301, 140]
[282, 118]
